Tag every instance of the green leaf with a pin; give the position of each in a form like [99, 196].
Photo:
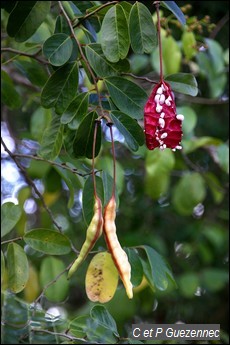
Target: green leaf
[188, 193]
[40, 120]
[129, 128]
[171, 54]
[3, 267]
[52, 139]
[58, 49]
[136, 266]
[88, 197]
[156, 270]
[26, 18]
[223, 157]
[10, 215]
[108, 188]
[10, 96]
[78, 326]
[184, 83]
[50, 269]
[48, 241]
[61, 26]
[188, 284]
[127, 96]
[142, 30]
[194, 144]
[77, 109]
[32, 70]
[61, 88]
[114, 34]
[100, 314]
[158, 167]
[98, 334]
[18, 267]
[100, 64]
[189, 44]
[214, 279]
[190, 120]
[172, 6]
[83, 143]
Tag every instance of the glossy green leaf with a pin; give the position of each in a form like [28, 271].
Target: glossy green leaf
[194, 144]
[98, 334]
[32, 70]
[48, 241]
[10, 215]
[40, 120]
[77, 109]
[88, 197]
[215, 187]
[184, 83]
[10, 96]
[58, 49]
[129, 128]
[188, 193]
[136, 266]
[61, 26]
[189, 44]
[158, 167]
[52, 139]
[104, 318]
[156, 269]
[127, 96]
[78, 326]
[100, 64]
[114, 34]
[18, 267]
[108, 188]
[50, 269]
[61, 88]
[83, 143]
[172, 6]
[26, 18]
[106, 165]
[142, 30]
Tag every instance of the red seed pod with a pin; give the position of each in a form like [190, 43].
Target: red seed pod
[163, 126]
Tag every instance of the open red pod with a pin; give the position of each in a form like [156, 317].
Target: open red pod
[163, 126]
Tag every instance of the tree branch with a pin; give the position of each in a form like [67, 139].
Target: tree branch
[18, 52]
[31, 183]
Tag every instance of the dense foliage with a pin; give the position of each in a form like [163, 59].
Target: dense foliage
[65, 65]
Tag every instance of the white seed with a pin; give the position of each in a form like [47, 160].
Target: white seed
[164, 135]
[163, 88]
[169, 98]
[157, 98]
[162, 99]
[162, 115]
[159, 91]
[167, 102]
[158, 108]
[180, 117]
[164, 146]
[161, 122]
[173, 150]
[178, 147]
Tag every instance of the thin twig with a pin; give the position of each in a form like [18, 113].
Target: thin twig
[93, 12]
[58, 334]
[141, 78]
[31, 183]
[202, 100]
[51, 283]
[59, 165]
[12, 240]
[83, 57]
[219, 25]
[18, 52]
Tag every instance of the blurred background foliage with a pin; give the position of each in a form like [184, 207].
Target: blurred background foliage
[175, 203]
